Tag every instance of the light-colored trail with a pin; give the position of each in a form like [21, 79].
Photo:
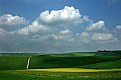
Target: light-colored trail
[28, 62]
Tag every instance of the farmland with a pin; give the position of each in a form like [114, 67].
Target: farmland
[66, 66]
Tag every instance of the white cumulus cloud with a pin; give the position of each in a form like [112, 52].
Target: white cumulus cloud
[60, 18]
[33, 28]
[68, 14]
[9, 20]
[96, 26]
[102, 36]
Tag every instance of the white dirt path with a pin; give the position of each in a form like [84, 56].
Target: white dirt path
[28, 62]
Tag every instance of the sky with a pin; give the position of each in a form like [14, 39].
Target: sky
[57, 26]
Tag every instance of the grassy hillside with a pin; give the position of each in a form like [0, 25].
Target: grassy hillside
[46, 61]
[67, 60]
[12, 62]
[74, 54]
[60, 66]
[115, 64]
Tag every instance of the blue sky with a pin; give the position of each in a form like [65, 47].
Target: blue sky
[87, 25]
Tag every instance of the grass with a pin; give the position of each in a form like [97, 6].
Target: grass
[60, 67]
[38, 62]
[115, 64]
[9, 75]
[74, 54]
[42, 75]
[18, 61]
[13, 62]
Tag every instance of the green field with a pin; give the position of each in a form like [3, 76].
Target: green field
[114, 64]
[38, 62]
[67, 66]
[13, 62]
[44, 75]
[74, 54]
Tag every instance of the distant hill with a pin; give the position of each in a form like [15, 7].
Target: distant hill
[108, 53]
[74, 54]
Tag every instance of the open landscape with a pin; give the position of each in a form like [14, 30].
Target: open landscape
[66, 66]
[60, 39]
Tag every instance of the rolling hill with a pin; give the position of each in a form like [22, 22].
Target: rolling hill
[13, 62]
[66, 60]
[46, 61]
[114, 64]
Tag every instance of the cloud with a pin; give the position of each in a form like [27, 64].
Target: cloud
[38, 37]
[65, 35]
[9, 20]
[66, 15]
[53, 20]
[97, 26]
[3, 32]
[62, 19]
[118, 27]
[33, 28]
[85, 34]
[60, 37]
[55, 31]
[102, 36]
[64, 32]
